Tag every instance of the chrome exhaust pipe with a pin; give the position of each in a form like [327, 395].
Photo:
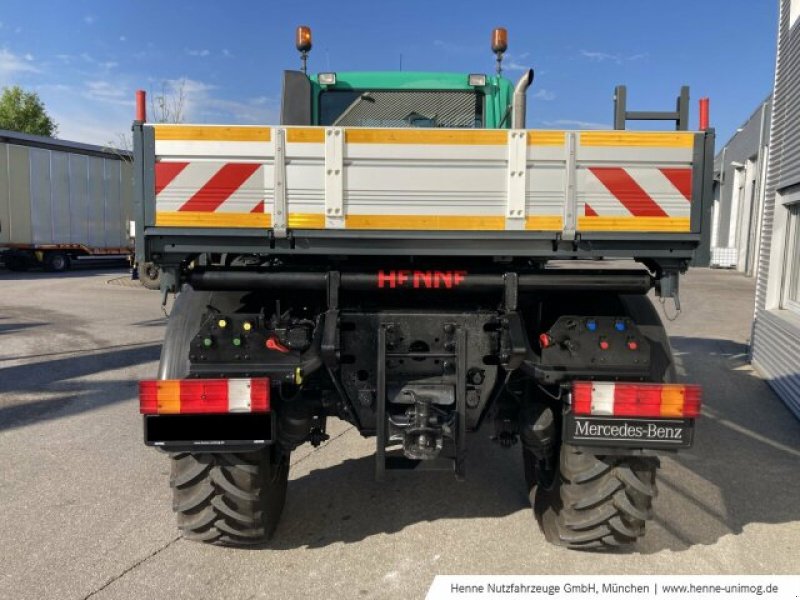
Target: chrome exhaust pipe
[518, 103]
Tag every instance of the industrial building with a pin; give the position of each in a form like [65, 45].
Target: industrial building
[775, 346]
[739, 188]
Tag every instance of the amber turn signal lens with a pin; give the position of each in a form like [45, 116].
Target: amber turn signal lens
[303, 38]
[499, 39]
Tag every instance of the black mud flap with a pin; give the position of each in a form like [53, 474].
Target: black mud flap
[234, 432]
[609, 432]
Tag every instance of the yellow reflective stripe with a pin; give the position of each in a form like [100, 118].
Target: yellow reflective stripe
[659, 139]
[205, 133]
[317, 221]
[669, 224]
[485, 137]
[307, 220]
[545, 138]
[429, 222]
[305, 135]
[168, 400]
[212, 219]
[544, 223]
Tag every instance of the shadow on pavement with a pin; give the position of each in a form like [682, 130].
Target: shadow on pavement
[343, 503]
[77, 269]
[744, 466]
[71, 397]
[742, 471]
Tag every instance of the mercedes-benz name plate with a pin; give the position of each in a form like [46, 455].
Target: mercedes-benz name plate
[624, 431]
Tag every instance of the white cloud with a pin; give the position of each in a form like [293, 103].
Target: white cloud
[202, 105]
[516, 62]
[543, 94]
[104, 90]
[617, 58]
[203, 52]
[89, 19]
[13, 65]
[122, 38]
[572, 123]
[227, 53]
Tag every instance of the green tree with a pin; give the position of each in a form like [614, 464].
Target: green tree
[25, 112]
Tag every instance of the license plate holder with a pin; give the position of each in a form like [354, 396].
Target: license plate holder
[597, 430]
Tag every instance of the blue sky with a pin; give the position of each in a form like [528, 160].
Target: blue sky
[86, 58]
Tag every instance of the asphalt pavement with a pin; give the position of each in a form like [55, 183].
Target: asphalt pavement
[85, 506]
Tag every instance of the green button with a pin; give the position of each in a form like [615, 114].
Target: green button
[207, 342]
[237, 341]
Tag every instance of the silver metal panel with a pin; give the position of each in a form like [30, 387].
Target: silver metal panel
[280, 208]
[79, 198]
[789, 92]
[570, 189]
[775, 346]
[334, 177]
[59, 196]
[5, 196]
[18, 171]
[776, 355]
[113, 229]
[95, 219]
[517, 179]
[41, 213]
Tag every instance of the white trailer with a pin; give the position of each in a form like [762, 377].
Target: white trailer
[62, 201]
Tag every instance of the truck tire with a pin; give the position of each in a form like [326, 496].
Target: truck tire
[219, 497]
[56, 262]
[229, 499]
[150, 275]
[598, 501]
[603, 501]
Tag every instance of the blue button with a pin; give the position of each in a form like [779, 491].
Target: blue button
[591, 325]
[619, 325]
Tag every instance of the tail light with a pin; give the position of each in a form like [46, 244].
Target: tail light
[667, 400]
[203, 396]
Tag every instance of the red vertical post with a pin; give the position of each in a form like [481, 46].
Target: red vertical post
[141, 106]
[703, 114]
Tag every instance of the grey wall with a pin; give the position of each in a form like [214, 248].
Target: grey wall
[775, 347]
[743, 146]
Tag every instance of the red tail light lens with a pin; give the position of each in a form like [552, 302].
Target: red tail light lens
[668, 400]
[203, 396]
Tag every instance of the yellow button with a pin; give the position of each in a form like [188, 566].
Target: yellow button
[222, 323]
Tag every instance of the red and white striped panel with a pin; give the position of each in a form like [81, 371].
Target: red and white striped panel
[637, 192]
[204, 396]
[210, 186]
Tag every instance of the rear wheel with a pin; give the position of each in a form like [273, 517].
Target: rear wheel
[229, 499]
[598, 501]
[150, 275]
[56, 262]
[219, 498]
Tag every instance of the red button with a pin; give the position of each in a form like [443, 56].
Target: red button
[632, 345]
[274, 344]
[545, 340]
[604, 345]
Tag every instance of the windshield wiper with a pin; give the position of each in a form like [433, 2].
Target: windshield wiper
[353, 104]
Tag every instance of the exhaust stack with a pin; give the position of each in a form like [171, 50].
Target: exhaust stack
[519, 102]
